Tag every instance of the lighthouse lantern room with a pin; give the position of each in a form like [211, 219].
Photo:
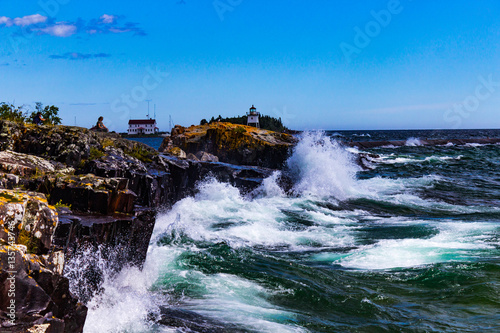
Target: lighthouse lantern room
[253, 117]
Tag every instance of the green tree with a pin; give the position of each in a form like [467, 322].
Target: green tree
[10, 112]
[266, 122]
[49, 113]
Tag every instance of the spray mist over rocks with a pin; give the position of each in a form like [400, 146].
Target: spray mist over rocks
[322, 167]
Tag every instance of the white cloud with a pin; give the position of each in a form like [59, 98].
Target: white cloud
[118, 30]
[5, 20]
[60, 30]
[41, 24]
[108, 19]
[29, 20]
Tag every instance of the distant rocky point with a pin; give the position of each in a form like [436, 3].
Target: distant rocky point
[230, 143]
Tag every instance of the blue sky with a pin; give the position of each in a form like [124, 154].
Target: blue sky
[324, 64]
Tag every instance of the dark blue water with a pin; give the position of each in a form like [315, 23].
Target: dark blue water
[419, 134]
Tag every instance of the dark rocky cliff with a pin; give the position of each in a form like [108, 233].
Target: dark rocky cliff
[63, 189]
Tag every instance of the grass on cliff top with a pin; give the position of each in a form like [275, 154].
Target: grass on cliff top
[266, 122]
[95, 153]
[133, 149]
[141, 153]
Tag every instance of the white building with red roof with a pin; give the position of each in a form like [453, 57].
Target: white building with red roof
[142, 126]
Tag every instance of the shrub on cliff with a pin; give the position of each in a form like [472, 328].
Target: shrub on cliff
[49, 113]
[10, 112]
[20, 115]
[266, 122]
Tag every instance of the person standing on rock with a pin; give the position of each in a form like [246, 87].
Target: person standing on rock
[37, 119]
[99, 127]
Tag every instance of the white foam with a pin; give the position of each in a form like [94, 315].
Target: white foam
[474, 145]
[455, 241]
[322, 167]
[413, 142]
[218, 213]
[126, 301]
[231, 299]
[249, 223]
[270, 187]
[390, 159]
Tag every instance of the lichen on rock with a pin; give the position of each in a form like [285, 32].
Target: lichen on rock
[27, 217]
[230, 143]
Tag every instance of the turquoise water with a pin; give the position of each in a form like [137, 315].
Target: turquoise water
[411, 244]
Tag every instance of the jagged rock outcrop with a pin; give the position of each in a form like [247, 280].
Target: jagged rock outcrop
[128, 234]
[185, 174]
[234, 144]
[90, 193]
[27, 219]
[148, 174]
[34, 291]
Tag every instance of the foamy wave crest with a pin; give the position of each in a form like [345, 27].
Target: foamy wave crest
[322, 167]
[270, 187]
[413, 142]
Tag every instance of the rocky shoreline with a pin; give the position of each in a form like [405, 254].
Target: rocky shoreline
[64, 189]
[67, 190]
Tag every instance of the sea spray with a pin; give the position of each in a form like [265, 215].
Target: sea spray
[322, 167]
[269, 187]
[117, 297]
[413, 142]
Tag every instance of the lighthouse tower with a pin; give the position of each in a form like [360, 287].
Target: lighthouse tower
[253, 117]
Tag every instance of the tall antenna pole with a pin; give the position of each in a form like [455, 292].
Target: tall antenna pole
[155, 112]
[148, 100]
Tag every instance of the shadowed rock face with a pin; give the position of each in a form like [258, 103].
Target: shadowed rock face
[89, 193]
[234, 144]
[41, 296]
[31, 268]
